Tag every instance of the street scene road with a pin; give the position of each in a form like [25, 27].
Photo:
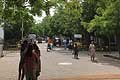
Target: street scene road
[59, 64]
[91, 28]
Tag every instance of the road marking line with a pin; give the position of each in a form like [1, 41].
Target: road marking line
[64, 63]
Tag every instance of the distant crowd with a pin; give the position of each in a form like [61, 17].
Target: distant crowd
[69, 44]
[57, 42]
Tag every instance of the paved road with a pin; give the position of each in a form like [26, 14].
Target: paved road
[59, 64]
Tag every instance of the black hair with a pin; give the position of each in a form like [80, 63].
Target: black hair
[29, 50]
[23, 45]
[75, 44]
[25, 42]
[35, 47]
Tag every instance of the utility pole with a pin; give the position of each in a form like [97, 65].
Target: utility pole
[22, 30]
[2, 30]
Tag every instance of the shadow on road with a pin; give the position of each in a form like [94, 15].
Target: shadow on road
[108, 61]
[100, 58]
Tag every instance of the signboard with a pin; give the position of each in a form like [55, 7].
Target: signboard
[1, 33]
[77, 36]
[1, 40]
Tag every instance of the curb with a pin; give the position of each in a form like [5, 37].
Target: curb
[92, 77]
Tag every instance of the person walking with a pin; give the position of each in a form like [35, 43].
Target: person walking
[75, 50]
[65, 44]
[30, 63]
[22, 54]
[37, 51]
[92, 51]
[49, 45]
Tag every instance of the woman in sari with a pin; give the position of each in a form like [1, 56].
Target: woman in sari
[30, 63]
[92, 51]
[37, 51]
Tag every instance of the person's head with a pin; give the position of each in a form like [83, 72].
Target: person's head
[25, 42]
[75, 44]
[92, 42]
[29, 50]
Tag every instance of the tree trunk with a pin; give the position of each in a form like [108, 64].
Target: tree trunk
[118, 44]
[109, 44]
[100, 44]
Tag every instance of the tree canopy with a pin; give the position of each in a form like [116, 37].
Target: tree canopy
[70, 17]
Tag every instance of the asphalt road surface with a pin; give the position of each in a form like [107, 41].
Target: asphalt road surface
[59, 64]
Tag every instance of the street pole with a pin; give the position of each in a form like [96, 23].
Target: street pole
[1, 45]
[22, 30]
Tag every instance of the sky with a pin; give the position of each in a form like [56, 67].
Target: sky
[39, 19]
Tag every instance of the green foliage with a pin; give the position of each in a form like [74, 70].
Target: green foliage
[66, 20]
[1, 8]
[36, 7]
[47, 5]
[89, 10]
[75, 16]
[37, 29]
[14, 14]
[107, 18]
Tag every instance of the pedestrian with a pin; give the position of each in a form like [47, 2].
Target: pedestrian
[49, 46]
[75, 50]
[31, 60]
[22, 54]
[65, 44]
[37, 51]
[92, 51]
[59, 42]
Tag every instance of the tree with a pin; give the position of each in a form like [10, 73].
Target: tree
[67, 18]
[112, 18]
[15, 14]
[106, 19]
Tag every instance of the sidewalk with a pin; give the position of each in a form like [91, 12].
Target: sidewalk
[94, 77]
